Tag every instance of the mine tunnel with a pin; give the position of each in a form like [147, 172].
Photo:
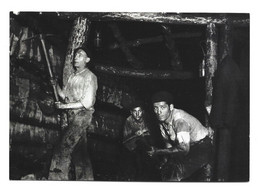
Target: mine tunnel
[133, 56]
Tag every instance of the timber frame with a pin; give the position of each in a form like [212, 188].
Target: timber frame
[208, 20]
[35, 126]
[166, 18]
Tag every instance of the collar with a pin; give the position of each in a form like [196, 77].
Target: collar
[76, 73]
[170, 120]
[134, 120]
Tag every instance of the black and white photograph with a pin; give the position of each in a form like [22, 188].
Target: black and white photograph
[129, 96]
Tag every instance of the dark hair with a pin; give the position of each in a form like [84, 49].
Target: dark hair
[136, 103]
[162, 96]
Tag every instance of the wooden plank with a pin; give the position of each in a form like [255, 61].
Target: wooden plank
[158, 17]
[142, 41]
[144, 74]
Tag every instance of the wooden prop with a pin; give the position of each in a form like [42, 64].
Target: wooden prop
[78, 38]
[225, 47]
[211, 64]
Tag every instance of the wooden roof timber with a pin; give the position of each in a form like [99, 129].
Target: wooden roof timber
[167, 18]
[144, 74]
[121, 40]
[160, 38]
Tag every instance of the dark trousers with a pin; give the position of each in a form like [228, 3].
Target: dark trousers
[179, 167]
[60, 165]
[136, 165]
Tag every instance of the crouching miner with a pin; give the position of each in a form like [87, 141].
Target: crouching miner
[187, 142]
[137, 140]
[79, 96]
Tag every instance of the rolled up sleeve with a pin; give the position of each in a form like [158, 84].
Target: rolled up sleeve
[89, 92]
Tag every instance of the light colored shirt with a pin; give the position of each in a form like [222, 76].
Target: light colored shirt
[82, 87]
[182, 122]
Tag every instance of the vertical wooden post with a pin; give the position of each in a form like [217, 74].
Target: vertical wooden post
[170, 43]
[211, 64]
[78, 38]
[225, 41]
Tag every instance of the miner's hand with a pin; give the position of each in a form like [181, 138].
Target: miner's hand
[53, 81]
[58, 105]
[139, 132]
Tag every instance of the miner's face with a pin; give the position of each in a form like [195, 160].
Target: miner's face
[162, 110]
[137, 113]
[81, 58]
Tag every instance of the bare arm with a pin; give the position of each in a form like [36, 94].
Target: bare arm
[89, 97]
[74, 105]
[60, 92]
[183, 142]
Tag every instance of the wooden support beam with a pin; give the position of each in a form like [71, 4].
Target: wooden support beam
[225, 41]
[78, 38]
[167, 18]
[211, 63]
[144, 74]
[170, 44]
[131, 59]
[142, 41]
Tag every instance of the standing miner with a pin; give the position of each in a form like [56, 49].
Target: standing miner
[79, 96]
